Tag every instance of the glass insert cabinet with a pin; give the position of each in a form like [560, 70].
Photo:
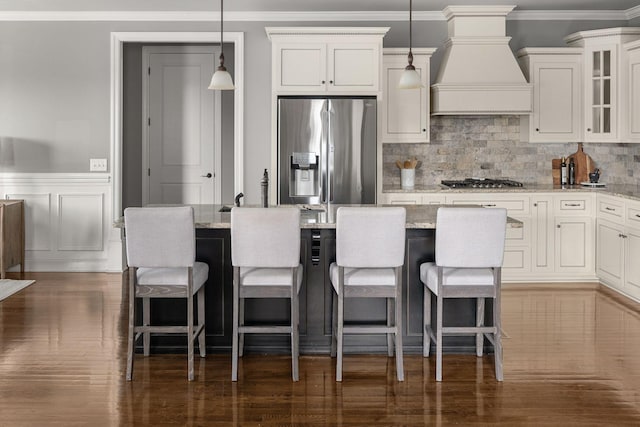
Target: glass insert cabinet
[602, 102]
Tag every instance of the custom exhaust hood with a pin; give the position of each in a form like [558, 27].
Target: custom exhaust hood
[479, 73]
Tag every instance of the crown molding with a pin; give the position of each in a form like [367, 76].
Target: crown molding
[284, 16]
[634, 12]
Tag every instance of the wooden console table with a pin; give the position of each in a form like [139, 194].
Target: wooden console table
[11, 235]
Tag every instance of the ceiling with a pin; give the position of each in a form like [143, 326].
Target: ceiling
[422, 5]
[305, 5]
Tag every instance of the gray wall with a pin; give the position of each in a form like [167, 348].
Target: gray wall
[54, 84]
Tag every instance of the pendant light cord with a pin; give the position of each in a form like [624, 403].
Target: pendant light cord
[410, 57]
[221, 67]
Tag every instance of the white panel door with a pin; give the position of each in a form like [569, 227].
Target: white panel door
[632, 264]
[573, 240]
[556, 109]
[180, 124]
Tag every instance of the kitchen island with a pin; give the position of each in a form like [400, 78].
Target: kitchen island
[213, 246]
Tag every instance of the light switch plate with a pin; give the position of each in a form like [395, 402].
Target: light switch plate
[97, 165]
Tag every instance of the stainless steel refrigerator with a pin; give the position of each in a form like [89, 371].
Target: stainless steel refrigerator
[327, 150]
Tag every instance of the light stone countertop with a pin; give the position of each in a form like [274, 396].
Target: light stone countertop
[627, 191]
[316, 217]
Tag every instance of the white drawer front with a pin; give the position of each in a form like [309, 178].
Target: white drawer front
[610, 209]
[633, 216]
[513, 206]
[573, 205]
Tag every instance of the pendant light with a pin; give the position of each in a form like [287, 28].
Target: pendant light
[221, 79]
[410, 79]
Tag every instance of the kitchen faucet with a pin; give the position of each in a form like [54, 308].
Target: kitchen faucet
[237, 199]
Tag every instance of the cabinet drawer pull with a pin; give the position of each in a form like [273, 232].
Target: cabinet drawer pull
[573, 204]
[637, 216]
[489, 205]
[610, 209]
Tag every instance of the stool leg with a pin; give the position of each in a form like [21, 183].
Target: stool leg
[497, 323]
[389, 324]
[334, 322]
[439, 338]
[241, 334]
[398, 325]
[340, 334]
[426, 337]
[479, 324]
[190, 341]
[234, 338]
[146, 321]
[201, 321]
[294, 325]
[132, 319]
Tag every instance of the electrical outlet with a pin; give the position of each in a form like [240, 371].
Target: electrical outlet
[97, 165]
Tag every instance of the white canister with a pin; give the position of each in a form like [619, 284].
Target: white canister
[407, 177]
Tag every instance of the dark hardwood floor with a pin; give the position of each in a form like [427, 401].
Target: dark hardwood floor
[571, 357]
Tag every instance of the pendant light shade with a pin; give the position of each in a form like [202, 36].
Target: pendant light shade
[410, 79]
[221, 79]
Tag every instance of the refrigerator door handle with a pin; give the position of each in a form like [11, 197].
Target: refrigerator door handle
[324, 179]
[330, 154]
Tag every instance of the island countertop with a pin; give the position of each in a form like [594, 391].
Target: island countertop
[319, 216]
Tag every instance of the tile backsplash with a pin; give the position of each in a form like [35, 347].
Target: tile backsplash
[490, 147]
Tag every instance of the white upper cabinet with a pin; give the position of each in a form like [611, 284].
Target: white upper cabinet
[316, 60]
[556, 76]
[404, 113]
[605, 86]
[633, 82]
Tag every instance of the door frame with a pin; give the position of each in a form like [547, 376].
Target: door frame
[117, 46]
[217, 105]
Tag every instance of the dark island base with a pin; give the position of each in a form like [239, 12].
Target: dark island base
[213, 246]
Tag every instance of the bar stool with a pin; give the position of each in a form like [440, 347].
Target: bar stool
[370, 244]
[265, 253]
[469, 255]
[161, 252]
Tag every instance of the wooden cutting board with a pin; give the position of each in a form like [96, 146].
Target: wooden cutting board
[555, 170]
[584, 164]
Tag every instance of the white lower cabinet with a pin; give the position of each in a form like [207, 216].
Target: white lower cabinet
[574, 245]
[618, 244]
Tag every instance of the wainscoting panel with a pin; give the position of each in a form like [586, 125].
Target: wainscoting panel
[81, 222]
[68, 221]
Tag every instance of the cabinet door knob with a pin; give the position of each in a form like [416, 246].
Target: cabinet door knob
[537, 130]
[424, 130]
[331, 81]
[323, 82]
[558, 226]
[588, 129]
[207, 175]
[535, 205]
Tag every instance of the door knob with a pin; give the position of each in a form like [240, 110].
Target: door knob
[207, 175]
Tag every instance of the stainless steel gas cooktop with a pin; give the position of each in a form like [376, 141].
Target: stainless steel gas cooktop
[480, 183]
